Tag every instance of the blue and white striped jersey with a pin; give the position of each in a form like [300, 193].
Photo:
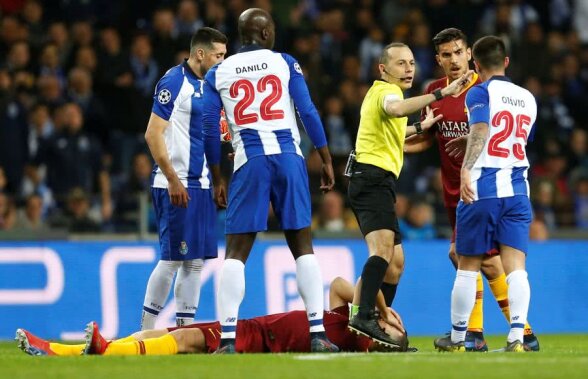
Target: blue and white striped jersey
[510, 112]
[178, 99]
[260, 90]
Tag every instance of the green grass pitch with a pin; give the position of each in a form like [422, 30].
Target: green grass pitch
[561, 356]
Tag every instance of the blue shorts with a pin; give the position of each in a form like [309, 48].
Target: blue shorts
[279, 178]
[186, 233]
[486, 223]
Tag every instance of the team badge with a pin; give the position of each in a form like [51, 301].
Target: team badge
[164, 96]
[183, 248]
[297, 68]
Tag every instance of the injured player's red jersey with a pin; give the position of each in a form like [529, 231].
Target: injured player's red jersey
[288, 332]
[285, 332]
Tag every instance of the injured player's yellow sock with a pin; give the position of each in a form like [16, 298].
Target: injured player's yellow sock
[476, 323]
[125, 339]
[165, 345]
[499, 288]
[63, 349]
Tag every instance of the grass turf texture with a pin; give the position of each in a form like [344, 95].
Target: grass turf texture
[561, 356]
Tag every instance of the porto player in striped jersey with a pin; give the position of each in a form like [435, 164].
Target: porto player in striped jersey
[181, 188]
[453, 55]
[494, 209]
[261, 92]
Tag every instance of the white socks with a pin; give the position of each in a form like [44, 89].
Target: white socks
[157, 291]
[463, 298]
[230, 295]
[519, 296]
[310, 286]
[186, 291]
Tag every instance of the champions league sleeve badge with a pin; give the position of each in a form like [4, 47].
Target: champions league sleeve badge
[164, 96]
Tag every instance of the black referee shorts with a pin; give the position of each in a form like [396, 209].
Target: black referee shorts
[372, 196]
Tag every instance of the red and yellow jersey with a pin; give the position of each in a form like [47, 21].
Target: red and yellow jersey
[453, 124]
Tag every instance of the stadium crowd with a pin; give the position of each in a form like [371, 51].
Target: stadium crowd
[77, 81]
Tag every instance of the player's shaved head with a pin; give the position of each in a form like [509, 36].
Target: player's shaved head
[256, 26]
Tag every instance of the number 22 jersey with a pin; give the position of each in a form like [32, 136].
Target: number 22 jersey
[261, 91]
[510, 112]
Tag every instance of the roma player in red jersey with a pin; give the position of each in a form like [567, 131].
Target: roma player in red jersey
[278, 333]
[450, 132]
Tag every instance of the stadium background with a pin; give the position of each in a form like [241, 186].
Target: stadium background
[85, 71]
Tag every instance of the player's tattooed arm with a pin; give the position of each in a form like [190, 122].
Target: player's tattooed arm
[475, 146]
[476, 142]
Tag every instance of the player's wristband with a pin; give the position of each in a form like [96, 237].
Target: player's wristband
[438, 95]
[417, 126]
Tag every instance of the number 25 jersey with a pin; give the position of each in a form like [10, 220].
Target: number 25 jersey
[510, 112]
[255, 87]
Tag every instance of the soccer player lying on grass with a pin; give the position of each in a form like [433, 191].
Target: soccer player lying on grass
[278, 333]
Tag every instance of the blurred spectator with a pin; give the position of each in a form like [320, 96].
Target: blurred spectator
[58, 35]
[144, 67]
[76, 215]
[32, 16]
[49, 90]
[85, 57]
[145, 73]
[538, 231]
[164, 39]
[578, 152]
[370, 49]
[187, 20]
[82, 34]
[543, 196]
[393, 12]
[19, 57]
[423, 51]
[7, 212]
[11, 31]
[554, 119]
[334, 123]
[332, 215]
[581, 19]
[127, 193]
[31, 217]
[114, 79]
[74, 159]
[49, 64]
[530, 55]
[508, 18]
[40, 127]
[418, 224]
[575, 88]
[13, 134]
[3, 181]
[580, 193]
[80, 91]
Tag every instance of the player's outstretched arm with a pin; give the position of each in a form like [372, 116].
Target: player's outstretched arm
[400, 108]
[340, 293]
